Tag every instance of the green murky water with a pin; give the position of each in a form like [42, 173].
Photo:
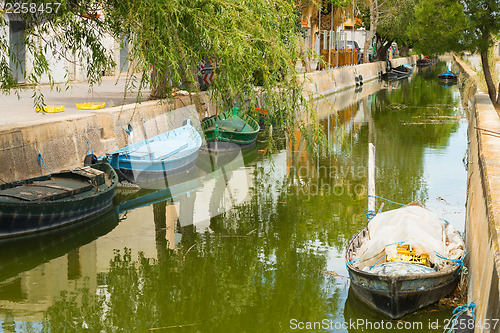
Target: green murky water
[254, 244]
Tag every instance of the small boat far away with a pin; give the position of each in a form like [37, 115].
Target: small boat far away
[396, 73]
[403, 260]
[55, 200]
[448, 76]
[161, 156]
[230, 131]
[426, 61]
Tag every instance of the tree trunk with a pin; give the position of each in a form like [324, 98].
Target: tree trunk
[159, 218]
[382, 53]
[159, 84]
[305, 58]
[373, 29]
[487, 76]
[498, 98]
[403, 52]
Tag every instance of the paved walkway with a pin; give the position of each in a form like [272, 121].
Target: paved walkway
[475, 61]
[21, 111]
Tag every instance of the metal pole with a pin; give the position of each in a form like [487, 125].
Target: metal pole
[329, 49]
[319, 32]
[353, 22]
[330, 39]
[337, 49]
[371, 177]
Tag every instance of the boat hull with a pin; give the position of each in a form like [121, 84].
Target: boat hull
[153, 171]
[22, 218]
[226, 127]
[448, 76]
[396, 297]
[162, 156]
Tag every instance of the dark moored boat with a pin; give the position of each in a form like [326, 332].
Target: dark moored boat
[403, 69]
[425, 62]
[234, 131]
[397, 73]
[394, 281]
[47, 202]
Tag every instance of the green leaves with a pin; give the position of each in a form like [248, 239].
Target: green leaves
[440, 26]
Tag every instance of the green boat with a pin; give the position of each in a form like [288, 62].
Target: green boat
[230, 130]
[56, 200]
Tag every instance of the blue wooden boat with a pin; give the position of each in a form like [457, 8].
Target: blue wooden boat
[56, 200]
[161, 156]
[448, 76]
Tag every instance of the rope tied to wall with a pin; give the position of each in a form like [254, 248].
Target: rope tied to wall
[41, 162]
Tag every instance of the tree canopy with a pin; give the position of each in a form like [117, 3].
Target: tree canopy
[240, 37]
[458, 25]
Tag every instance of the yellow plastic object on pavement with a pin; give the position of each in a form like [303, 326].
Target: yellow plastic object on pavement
[90, 106]
[50, 109]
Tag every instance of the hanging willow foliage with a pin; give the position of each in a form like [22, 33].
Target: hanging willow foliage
[253, 45]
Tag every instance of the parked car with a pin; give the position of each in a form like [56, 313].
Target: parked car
[352, 45]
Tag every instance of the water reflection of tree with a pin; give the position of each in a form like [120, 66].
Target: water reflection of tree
[255, 274]
[405, 122]
[260, 267]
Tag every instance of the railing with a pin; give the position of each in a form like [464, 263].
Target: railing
[339, 58]
[332, 57]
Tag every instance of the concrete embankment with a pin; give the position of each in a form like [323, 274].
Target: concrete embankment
[64, 140]
[327, 82]
[483, 207]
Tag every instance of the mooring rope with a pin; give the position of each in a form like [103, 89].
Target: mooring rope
[458, 312]
[459, 262]
[89, 145]
[40, 160]
[382, 198]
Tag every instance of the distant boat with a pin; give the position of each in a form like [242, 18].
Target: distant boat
[397, 73]
[230, 130]
[56, 200]
[403, 69]
[425, 62]
[448, 76]
[164, 155]
[403, 260]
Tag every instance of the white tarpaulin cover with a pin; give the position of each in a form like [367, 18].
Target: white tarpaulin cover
[413, 225]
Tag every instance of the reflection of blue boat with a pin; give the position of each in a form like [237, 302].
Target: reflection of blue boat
[147, 197]
[158, 157]
[448, 76]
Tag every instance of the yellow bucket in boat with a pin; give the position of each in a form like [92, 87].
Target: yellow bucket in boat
[405, 253]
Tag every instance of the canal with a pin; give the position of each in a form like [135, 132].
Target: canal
[254, 241]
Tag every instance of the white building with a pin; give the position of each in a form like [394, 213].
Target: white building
[62, 68]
